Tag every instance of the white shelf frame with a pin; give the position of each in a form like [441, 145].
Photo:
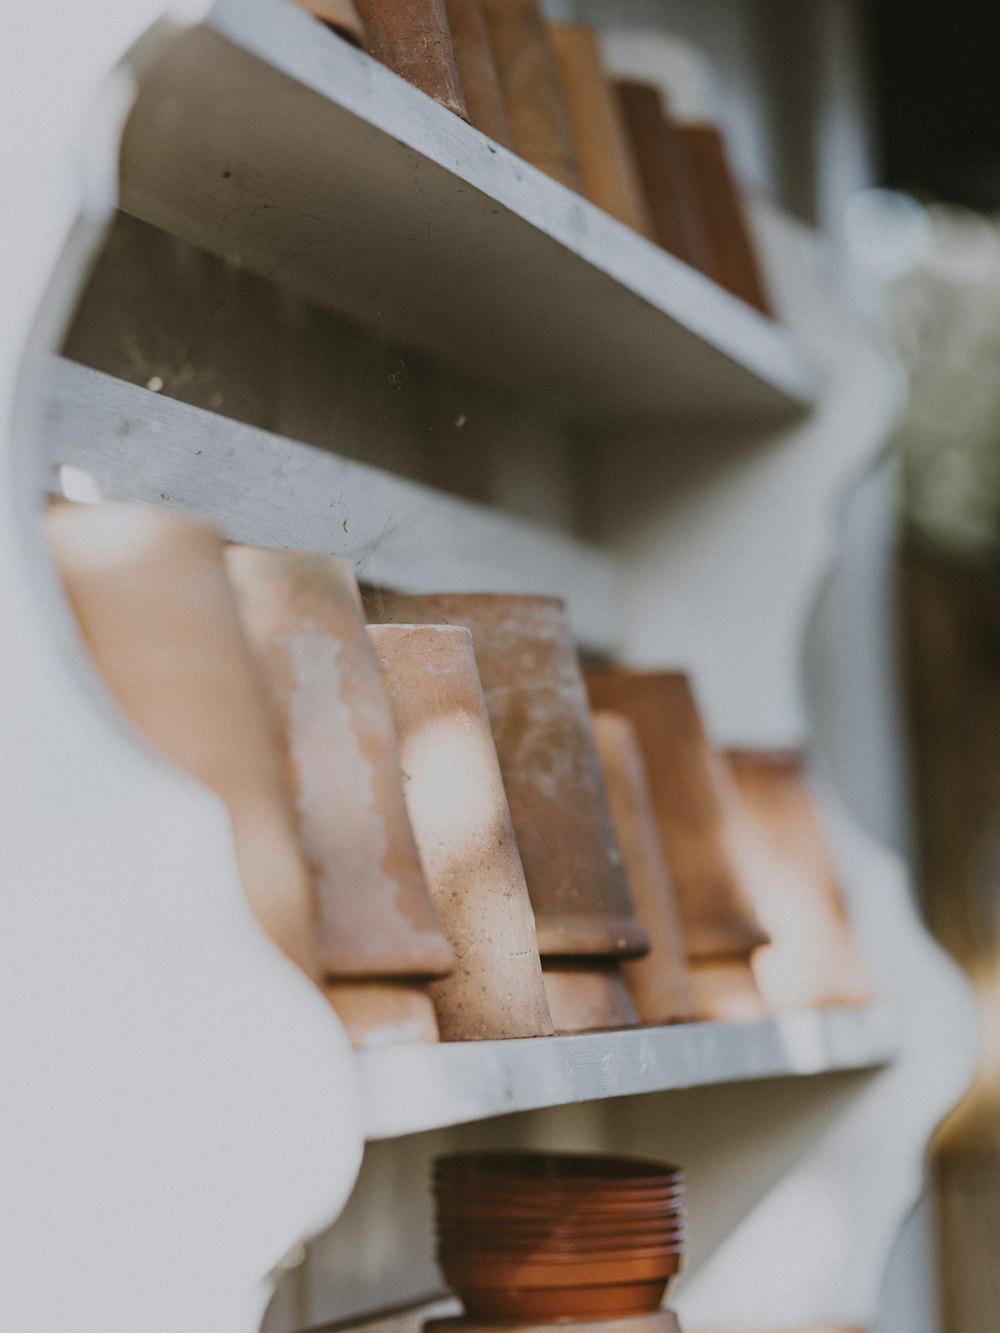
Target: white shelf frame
[457, 1083]
[266, 140]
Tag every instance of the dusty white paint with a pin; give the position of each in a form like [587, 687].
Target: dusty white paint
[179, 1107]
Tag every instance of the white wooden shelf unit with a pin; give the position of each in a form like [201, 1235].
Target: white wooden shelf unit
[268, 141]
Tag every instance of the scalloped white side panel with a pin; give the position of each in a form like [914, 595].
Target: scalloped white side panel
[179, 1106]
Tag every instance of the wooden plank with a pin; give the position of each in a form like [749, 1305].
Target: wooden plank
[455, 1083]
[267, 141]
[131, 444]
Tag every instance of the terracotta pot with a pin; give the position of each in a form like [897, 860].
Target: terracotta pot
[412, 38]
[661, 1321]
[460, 1237]
[733, 253]
[473, 1208]
[459, 813]
[490, 1272]
[538, 712]
[563, 1303]
[340, 15]
[607, 159]
[529, 77]
[725, 990]
[696, 808]
[588, 995]
[598, 1248]
[302, 613]
[150, 593]
[378, 1014]
[812, 958]
[477, 69]
[659, 983]
[671, 202]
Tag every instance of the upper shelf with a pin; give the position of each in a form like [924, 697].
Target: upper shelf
[266, 140]
[410, 1089]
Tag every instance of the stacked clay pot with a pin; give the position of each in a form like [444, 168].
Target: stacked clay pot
[538, 711]
[548, 1237]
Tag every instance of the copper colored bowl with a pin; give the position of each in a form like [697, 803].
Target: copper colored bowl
[609, 1215]
[518, 1304]
[512, 1238]
[612, 1270]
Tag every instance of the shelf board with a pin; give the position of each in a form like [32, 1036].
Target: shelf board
[410, 1089]
[132, 444]
[265, 139]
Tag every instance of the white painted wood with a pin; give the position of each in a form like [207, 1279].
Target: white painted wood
[260, 487]
[179, 1105]
[456, 1083]
[265, 140]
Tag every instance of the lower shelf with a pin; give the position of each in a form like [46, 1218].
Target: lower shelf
[410, 1089]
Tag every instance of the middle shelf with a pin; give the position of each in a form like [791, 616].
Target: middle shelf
[410, 1089]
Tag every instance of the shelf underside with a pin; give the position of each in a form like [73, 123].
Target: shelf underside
[410, 1089]
[266, 140]
[135, 445]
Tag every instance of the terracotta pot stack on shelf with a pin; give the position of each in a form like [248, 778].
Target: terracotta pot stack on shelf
[540, 719]
[697, 812]
[428, 818]
[545, 1238]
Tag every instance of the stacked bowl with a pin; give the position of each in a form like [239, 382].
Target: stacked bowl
[555, 1236]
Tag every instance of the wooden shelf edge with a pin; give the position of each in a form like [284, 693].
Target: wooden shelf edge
[412, 1089]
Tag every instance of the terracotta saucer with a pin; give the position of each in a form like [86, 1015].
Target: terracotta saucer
[660, 1321]
[565, 1303]
[493, 1272]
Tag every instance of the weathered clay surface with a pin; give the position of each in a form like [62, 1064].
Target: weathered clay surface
[459, 813]
[149, 590]
[786, 862]
[529, 77]
[390, 1014]
[477, 69]
[696, 805]
[302, 612]
[664, 171]
[341, 15]
[725, 989]
[412, 38]
[538, 710]
[720, 202]
[588, 994]
[660, 984]
[607, 158]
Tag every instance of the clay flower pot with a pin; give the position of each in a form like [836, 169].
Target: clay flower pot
[812, 958]
[340, 15]
[538, 711]
[459, 813]
[529, 77]
[665, 174]
[731, 245]
[607, 160]
[588, 995]
[412, 38]
[477, 69]
[376, 922]
[660, 983]
[149, 590]
[697, 813]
